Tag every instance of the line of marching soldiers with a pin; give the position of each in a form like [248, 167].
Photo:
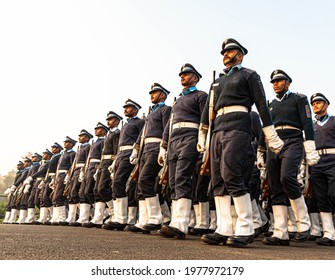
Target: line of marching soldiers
[203, 166]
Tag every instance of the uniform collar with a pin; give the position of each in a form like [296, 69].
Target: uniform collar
[281, 96]
[188, 91]
[133, 118]
[229, 71]
[158, 105]
[322, 119]
[85, 144]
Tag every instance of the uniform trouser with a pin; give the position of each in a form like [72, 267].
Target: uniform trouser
[31, 198]
[200, 183]
[87, 185]
[323, 187]
[283, 170]
[182, 157]
[45, 196]
[37, 198]
[24, 201]
[131, 192]
[123, 168]
[75, 187]
[254, 183]
[103, 187]
[211, 197]
[149, 169]
[229, 152]
[58, 198]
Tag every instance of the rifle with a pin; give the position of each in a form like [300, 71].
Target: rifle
[68, 184]
[307, 189]
[136, 171]
[164, 172]
[205, 168]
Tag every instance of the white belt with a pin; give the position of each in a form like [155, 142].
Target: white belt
[108, 157]
[125, 147]
[79, 165]
[152, 140]
[61, 171]
[231, 109]
[326, 151]
[39, 179]
[51, 174]
[94, 160]
[286, 126]
[185, 125]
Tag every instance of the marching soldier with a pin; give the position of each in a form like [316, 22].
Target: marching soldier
[291, 115]
[46, 209]
[146, 154]
[74, 181]
[179, 141]
[17, 191]
[122, 167]
[322, 174]
[87, 190]
[20, 169]
[36, 158]
[103, 194]
[234, 94]
[64, 165]
[35, 181]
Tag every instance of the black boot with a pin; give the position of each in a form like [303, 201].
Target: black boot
[214, 238]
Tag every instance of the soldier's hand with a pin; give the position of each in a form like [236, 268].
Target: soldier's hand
[262, 173]
[312, 156]
[274, 142]
[52, 184]
[28, 180]
[134, 157]
[81, 176]
[260, 159]
[8, 191]
[111, 167]
[95, 176]
[26, 188]
[66, 179]
[161, 156]
[201, 141]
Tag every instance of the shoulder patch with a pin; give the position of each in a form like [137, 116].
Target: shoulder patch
[308, 111]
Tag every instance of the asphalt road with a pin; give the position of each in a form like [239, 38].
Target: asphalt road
[29, 242]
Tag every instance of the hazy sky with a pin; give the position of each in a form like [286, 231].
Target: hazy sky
[65, 64]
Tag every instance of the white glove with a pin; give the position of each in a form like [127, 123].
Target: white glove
[95, 176]
[302, 173]
[28, 180]
[260, 159]
[111, 167]
[262, 173]
[161, 156]
[312, 155]
[201, 146]
[81, 176]
[52, 183]
[40, 185]
[272, 138]
[26, 188]
[66, 179]
[134, 157]
[8, 191]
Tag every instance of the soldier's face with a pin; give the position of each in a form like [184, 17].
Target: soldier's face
[188, 79]
[232, 57]
[130, 111]
[319, 107]
[99, 131]
[68, 145]
[155, 96]
[113, 122]
[45, 156]
[280, 86]
[83, 139]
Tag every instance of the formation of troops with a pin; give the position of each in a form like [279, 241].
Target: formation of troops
[206, 166]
